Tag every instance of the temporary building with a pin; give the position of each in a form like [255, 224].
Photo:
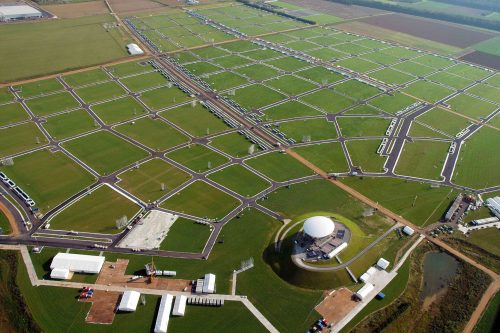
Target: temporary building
[337, 250]
[382, 263]
[59, 274]
[319, 226]
[409, 231]
[134, 49]
[163, 314]
[364, 277]
[364, 291]
[494, 205]
[372, 270]
[129, 301]
[209, 284]
[80, 263]
[18, 12]
[179, 306]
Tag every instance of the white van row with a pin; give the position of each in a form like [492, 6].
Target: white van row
[17, 190]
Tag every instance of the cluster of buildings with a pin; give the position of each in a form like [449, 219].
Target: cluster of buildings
[368, 287]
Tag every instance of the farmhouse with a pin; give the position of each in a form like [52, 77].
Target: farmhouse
[18, 12]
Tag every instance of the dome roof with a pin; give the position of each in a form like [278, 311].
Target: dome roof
[319, 226]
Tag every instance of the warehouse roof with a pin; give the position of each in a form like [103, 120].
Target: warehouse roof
[18, 10]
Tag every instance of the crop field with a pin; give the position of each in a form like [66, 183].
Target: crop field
[147, 180]
[202, 200]
[240, 180]
[37, 173]
[154, 133]
[96, 212]
[58, 45]
[105, 152]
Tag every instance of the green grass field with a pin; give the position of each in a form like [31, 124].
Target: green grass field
[95, 212]
[19, 138]
[197, 157]
[39, 87]
[490, 316]
[391, 76]
[100, 92]
[453, 81]
[289, 109]
[428, 91]
[476, 161]
[486, 91]
[444, 121]
[327, 156]
[118, 110]
[468, 71]
[104, 152]
[46, 105]
[233, 144]
[146, 181]
[327, 100]
[417, 202]
[5, 95]
[258, 71]
[433, 61]
[279, 167]
[320, 75]
[35, 174]
[164, 97]
[471, 106]
[205, 122]
[291, 85]
[317, 129]
[154, 133]
[364, 154]
[69, 124]
[4, 225]
[12, 113]
[225, 80]
[58, 45]
[357, 64]
[87, 77]
[202, 200]
[129, 68]
[144, 81]
[394, 103]
[356, 89]
[424, 159]
[246, 96]
[186, 236]
[363, 126]
[240, 180]
[413, 68]
[288, 64]
[418, 130]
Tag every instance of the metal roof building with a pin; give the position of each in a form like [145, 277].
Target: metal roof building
[364, 291]
[129, 301]
[79, 263]
[163, 313]
[18, 12]
[319, 226]
[494, 205]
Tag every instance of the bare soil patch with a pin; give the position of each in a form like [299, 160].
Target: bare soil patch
[103, 307]
[336, 305]
[130, 6]
[337, 9]
[430, 29]
[77, 9]
[484, 59]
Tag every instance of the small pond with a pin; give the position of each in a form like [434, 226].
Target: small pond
[439, 269]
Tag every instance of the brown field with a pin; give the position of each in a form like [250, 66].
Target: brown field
[337, 9]
[484, 59]
[336, 305]
[77, 9]
[103, 307]
[441, 32]
[130, 6]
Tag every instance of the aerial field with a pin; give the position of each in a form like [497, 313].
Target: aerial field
[246, 96]
[363, 126]
[279, 167]
[471, 106]
[202, 200]
[327, 156]
[95, 212]
[316, 129]
[146, 181]
[19, 138]
[144, 81]
[48, 178]
[327, 100]
[68, 124]
[58, 45]
[130, 68]
[12, 113]
[240, 180]
[87, 77]
[364, 154]
[289, 109]
[186, 236]
[233, 144]
[197, 157]
[100, 92]
[39, 87]
[117, 110]
[444, 121]
[54, 103]
[424, 159]
[104, 152]
[427, 91]
[163, 97]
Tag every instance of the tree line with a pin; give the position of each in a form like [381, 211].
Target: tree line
[269, 9]
[493, 5]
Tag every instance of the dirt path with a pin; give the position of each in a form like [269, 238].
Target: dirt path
[10, 218]
[481, 307]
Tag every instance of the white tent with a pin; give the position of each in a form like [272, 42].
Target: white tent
[80, 263]
[59, 274]
[179, 306]
[129, 301]
[319, 226]
[364, 291]
[337, 250]
[409, 231]
[163, 314]
[382, 263]
[372, 270]
[209, 284]
[364, 277]
[134, 49]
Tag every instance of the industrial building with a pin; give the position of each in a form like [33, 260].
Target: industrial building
[134, 49]
[64, 263]
[18, 12]
[129, 301]
[164, 313]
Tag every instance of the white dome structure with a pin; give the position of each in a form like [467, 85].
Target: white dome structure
[319, 226]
